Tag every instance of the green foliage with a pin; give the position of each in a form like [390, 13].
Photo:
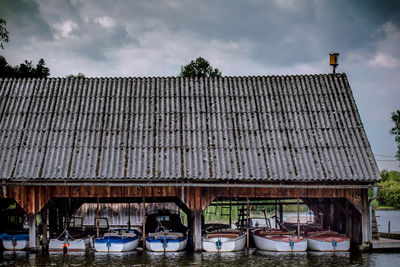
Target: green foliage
[25, 69]
[396, 131]
[78, 76]
[390, 175]
[3, 33]
[389, 194]
[199, 68]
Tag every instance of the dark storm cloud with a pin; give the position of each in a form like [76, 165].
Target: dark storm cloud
[24, 20]
[281, 32]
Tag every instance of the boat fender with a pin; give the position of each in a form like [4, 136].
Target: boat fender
[334, 243]
[108, 242]
[291, 243]
[165, 242]
[14, 242]
[65, 246]
[218, 243]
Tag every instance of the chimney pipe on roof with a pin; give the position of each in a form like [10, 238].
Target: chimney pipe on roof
[333, 61]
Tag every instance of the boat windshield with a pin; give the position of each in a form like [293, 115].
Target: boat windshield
[164, 218]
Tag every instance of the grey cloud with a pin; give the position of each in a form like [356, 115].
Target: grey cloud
[24, 20]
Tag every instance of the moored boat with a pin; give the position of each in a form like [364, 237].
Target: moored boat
[166, 241]
[225, 240]
[166, 233]
[15, 242]
[68, 243]
[117, 242]
[327, 241]
[278, 240]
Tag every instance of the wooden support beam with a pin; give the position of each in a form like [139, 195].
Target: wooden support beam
[365, 219]
[98, 218]
[298, 217]
[332, 215]
[247, 225]
[197, 231]
[33, 233]
[44, 226]
[144, 221]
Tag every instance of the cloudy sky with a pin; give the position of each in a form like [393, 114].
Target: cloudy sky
[253, 37]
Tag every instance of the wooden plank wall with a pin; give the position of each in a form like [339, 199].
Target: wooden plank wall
[33, 198]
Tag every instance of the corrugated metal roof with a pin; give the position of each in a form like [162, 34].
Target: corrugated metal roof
[274, 128]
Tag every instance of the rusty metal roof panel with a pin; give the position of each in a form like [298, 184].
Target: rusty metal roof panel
[274, 128]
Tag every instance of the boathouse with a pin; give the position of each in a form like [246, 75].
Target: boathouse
[65, 142]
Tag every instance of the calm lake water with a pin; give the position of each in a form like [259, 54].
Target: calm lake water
[252, 258]
[385, 216]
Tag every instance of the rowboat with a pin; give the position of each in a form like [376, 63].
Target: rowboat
[327, 241]
[278, 240]
[68, 243]
[15, 242]
[224, 241]
[117, 242]
[166, 241]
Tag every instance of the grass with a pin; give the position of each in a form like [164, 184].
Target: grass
[376, 206]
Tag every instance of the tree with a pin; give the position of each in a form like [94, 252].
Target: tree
[396, 131]
[199, 68]
[3, 33]
[41, 70]
[25, 69]
[78, 76]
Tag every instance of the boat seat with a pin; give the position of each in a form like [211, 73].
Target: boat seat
[226, 235]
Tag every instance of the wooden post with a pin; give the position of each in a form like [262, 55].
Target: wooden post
[348, 218]
[298, 216]
[98, 218]
[365, 218]
[230, 212]
[197, 231]
[276, 215]
[280, 213]
[332, 215]
[33, 232]
[129, 215]
[144, 220]
[44, 226]
[247, 225]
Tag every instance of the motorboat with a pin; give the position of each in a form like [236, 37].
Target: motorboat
[166, 232]
[166, 241]
[119, 241]
[15, 241]
[327, 241]
[278, 240]
[65, 242]
[224, 240]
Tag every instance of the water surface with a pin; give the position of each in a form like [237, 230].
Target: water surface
[252, 258]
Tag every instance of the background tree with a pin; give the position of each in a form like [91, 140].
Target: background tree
[199, 68]
[77, 76]
[396, 131]
[3, 33]
[41, 69]
[25, 69]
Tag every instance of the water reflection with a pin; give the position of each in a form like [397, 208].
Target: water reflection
[252, 257]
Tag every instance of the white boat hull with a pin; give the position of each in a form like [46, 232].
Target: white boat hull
[72, 245]
[172, 246]
[225, 245]
[19, 244]
[326, 246]
[116, 247]
[281, 246]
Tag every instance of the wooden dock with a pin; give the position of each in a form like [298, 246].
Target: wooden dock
[385, 244]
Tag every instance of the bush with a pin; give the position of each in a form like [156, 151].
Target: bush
[389, 194]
